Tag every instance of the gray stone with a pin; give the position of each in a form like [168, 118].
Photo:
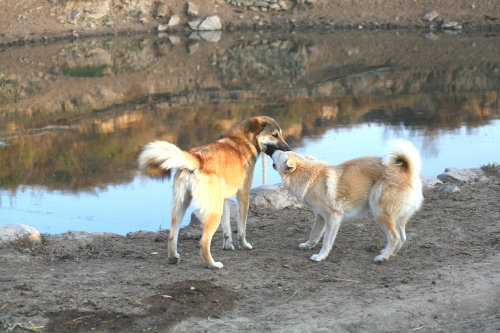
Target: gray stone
[272, 197]
[210, 23]
[430, 16]
[173, 21]
[451, 26]
[192, 9]
[206, 24]
[448, 188]
[194, 24]
[430, 182]
[16, 231]
[141, 234]
[458, 175]
[81, 236]
[162, 27]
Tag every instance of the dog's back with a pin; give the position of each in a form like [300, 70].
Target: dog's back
[399, 189]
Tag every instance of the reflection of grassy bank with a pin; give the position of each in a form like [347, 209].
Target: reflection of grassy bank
[12, 91]
[102, 98]
[101, 149]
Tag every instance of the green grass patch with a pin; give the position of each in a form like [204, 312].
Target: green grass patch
[86, 71]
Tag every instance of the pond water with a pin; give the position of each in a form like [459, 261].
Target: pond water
[73, 114]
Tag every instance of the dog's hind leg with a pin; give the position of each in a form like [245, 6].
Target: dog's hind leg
[243, 197]
[181, 201]
[316, 233]
[210, 224]
[388, 223]
[227, 242]
[332, 225]
[402, 232]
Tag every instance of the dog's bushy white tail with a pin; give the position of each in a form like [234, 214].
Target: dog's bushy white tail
[157, 159]
[404, 153]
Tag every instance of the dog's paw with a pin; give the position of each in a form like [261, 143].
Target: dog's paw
[216, 265]
[228, 246]
[317, 257]
[245, 245]
[304, 246]
[175, 259]
[380, 258]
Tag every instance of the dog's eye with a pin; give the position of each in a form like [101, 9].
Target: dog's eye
[276, 135]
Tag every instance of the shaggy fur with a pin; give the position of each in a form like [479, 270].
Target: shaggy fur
[209, 175]
[390, 187]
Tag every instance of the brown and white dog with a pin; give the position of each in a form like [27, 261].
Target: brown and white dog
[209, 175]
[390, 187]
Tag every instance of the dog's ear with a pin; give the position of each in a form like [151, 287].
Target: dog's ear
[257, 124]
[291, 165]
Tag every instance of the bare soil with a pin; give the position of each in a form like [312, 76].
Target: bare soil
[445, 279]
[29, 20]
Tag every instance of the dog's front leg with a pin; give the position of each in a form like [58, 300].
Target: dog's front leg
[331, 228]
[316, 233]
[227, 241]
[243, 197]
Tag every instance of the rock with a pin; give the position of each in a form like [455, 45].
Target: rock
[79, 237]
[16, 231]
[194, 24]
[173, 21]
[448, 188]
[458, 175]
[451, 26]
[162, 27]
[430, 16]
[207, 23]
[430, 182]
[191, 9]
[141, 234]
[272, 197]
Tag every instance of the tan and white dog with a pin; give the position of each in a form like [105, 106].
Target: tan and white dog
[209, 175]
[390, 187]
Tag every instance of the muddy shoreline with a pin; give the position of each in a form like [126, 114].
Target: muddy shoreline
[445, 277]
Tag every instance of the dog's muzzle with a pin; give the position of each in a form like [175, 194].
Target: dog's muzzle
[271, 148]
[275, 157]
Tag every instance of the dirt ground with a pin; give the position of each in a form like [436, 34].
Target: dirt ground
[445, 279]
[28, 20]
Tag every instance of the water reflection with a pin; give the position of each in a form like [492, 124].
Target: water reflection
[72, 115]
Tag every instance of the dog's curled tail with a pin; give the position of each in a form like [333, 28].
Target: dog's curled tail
[158, 158]
[404, 154]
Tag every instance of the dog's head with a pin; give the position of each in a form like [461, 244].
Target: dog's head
[284, 162]
[268, 134]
